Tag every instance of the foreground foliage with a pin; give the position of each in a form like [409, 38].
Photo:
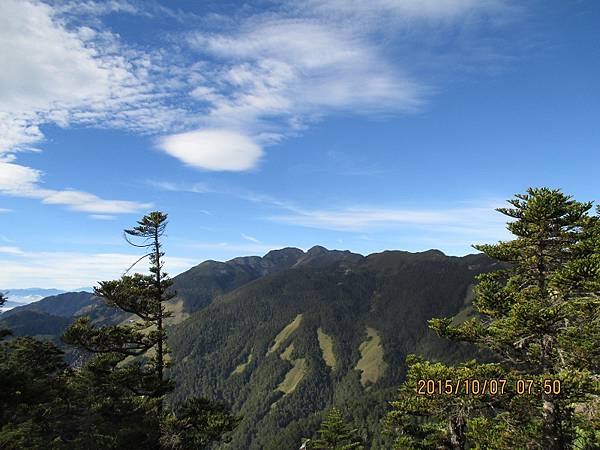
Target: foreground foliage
[336, 434]
[115, 399]
[540, 319]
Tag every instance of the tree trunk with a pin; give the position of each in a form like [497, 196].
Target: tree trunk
[552, 433]
[457, 428]
[159, 349]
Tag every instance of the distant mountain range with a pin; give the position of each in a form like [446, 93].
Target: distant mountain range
[284, 336]
[19, 297]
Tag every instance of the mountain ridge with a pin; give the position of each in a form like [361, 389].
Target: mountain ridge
[260, 347]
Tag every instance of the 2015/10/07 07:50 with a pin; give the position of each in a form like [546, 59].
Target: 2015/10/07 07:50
[494, 386]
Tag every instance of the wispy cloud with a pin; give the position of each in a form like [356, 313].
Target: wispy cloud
[250, 238]
[98, 7]
[65, 75]
[22, 181]
[68, 75]
[196, 188]
[473, 219]
[431, 10]
[216, 104]
[477, 220]
[11, 250]
[243, 194]
[270, 81]
[273, 74]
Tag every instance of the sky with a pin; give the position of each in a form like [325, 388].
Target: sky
[387, 124]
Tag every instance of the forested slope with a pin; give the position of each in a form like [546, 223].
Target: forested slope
[282, 348]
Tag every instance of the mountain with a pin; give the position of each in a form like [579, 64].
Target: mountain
[333, 327]
[67, 304]
[284, 336]
[8, 305]
[50, 317]
[200, 285]
[196, 288]
[34, 323]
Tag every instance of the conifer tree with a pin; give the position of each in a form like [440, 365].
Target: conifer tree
[196, 424]
[3, 332]
[336, 434]
[540, 316]
[436, 418]
[127, 378]
[34, 405]
[143, 296]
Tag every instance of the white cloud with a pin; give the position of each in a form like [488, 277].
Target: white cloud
[260, 79]
[215, 149]
[250, 238]
[271, 80]
[362, 219]
[70, 270]
[57, 72]
[10, 250]
[21, 181]
[99, 7]
[407, 9]
[16, 179]
[17, 133]
[196, 188]
[473, 221]
[52, 73]
[44, 64]
[467, 220]
[46, 69]
[86, 202]
[275, 73]
[268, 72]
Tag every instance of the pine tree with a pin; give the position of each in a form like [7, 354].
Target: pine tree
[436, 418]
[336, 434]
[3, 332]
[143, 296]
[127, 381]
[540, 316]
[34, 410]
[196, 424]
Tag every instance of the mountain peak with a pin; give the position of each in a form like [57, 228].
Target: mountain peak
[319, 256]
[286, 252]
[434, 252]
[318, 249]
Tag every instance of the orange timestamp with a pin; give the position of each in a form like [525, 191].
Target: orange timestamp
[493, 386]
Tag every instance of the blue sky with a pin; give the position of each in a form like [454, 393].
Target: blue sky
[388, 124]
